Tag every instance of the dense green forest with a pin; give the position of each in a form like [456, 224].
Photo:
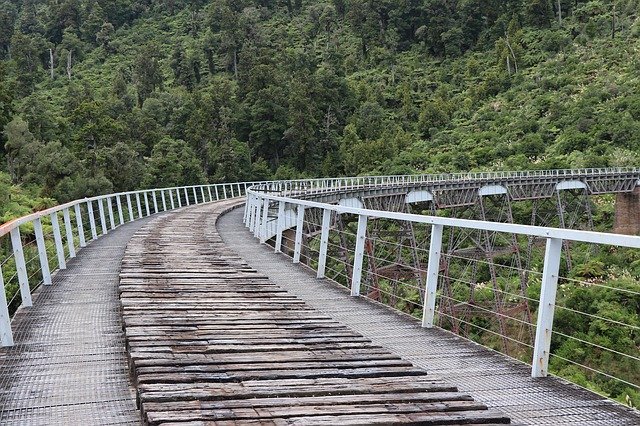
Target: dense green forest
[99, 96]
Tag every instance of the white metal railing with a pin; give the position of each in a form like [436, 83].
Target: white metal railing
[81, 223]
[309, 187]
[262, 202]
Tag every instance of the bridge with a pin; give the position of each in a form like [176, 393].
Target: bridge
[160, 306]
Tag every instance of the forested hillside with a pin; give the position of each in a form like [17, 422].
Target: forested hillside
[99, 96]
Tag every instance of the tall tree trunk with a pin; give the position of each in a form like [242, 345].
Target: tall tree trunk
[559, 13]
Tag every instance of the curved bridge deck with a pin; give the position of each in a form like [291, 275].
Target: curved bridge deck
[211, 339]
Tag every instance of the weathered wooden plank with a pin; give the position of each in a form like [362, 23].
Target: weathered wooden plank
[210, 340]
[457, 408]
[331, 400]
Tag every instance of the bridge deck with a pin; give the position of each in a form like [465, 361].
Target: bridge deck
[69, 363]
[211, 339]
[488, 377]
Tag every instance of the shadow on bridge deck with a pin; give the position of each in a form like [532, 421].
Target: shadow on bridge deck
[489, 377]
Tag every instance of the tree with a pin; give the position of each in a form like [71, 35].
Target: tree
[8, 17]
[94, 18]
[104, 35]
[26, 50]
[21, 149]
[301, 135]
[233, 162]
[182, 67]
[173, 163]
[225, 18]
[147, 75]
[122, 165]
[6, 105]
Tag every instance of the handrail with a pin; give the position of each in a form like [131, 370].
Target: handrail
[111, 212]
[290, 207]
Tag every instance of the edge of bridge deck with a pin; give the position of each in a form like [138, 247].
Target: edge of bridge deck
[489, 377]
[69, 364]
[212, 340]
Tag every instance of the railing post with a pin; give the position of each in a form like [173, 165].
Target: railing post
[79, 225]
[358, 255]
[324, 242]
[92, 221]
[112, 220]
[231, 188]
[21, 267]
[246, 210]
[265, 220]
[42, 252]
[280, 226]
[146, 203]
[195, 195]
[178, 197]
[103, 220]
[256, 225]
[433, 270]
[57, 237]
[255, 211]
[6, 335]
[138, 205]
[239, 189]
[547, 306]
[224, 191]
[164, 201]
[202, 193]
[186, 196]
[130, 208]
[298, 242]
[209, 191]
[155, 202]
[69, 232]
[249, 208]
[119, 205]
[173, 205]
[217, 195]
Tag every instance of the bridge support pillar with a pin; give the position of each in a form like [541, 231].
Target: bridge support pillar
[627, 216]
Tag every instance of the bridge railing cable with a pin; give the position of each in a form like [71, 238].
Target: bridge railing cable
[41, 243]
[504, 285]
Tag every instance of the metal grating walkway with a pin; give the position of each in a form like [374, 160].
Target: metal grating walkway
[489, 377]
[69, 364]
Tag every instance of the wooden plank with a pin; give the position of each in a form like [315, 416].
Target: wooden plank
[210, 340]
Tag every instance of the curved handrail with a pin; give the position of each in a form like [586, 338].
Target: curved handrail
[261, 200]
[145, 203]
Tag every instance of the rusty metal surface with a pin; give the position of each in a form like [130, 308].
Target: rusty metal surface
[489, 377]
[69, 364]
